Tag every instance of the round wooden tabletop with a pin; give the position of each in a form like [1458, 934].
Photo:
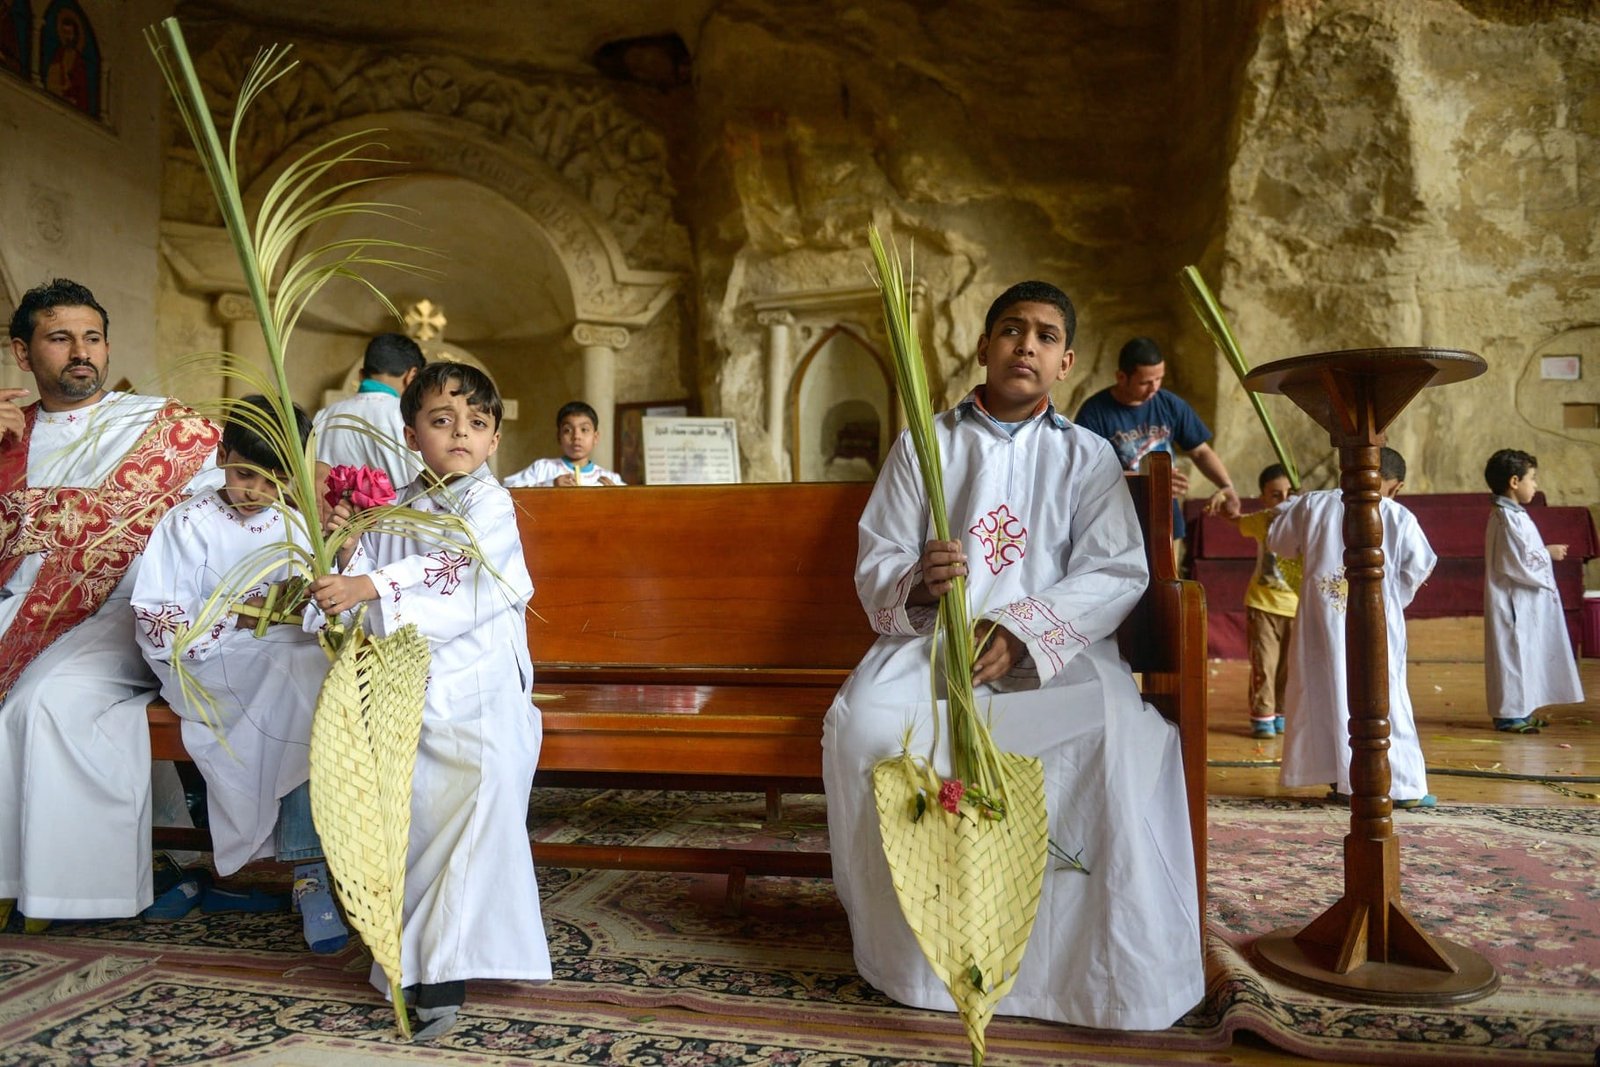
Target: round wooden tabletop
[1448, 365]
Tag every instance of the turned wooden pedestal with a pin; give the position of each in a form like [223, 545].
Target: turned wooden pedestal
[1367, 947]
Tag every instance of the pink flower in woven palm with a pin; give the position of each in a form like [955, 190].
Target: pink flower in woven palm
[950, 793]
[363, 486]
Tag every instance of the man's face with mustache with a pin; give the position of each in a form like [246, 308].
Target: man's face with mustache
[67, 356]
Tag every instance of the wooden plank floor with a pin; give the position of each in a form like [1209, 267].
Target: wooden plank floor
[1448, 694]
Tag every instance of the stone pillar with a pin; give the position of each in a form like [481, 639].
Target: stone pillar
[780, 335]
[243, 338]
[600, 345]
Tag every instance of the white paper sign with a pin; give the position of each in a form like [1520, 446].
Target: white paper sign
[690, 451]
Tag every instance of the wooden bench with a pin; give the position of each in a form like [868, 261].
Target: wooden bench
[696, 635]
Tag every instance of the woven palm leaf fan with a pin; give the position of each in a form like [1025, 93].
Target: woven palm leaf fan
[967, 852]
[363, 751]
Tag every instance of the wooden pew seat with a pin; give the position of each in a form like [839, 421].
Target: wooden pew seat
[694, 637]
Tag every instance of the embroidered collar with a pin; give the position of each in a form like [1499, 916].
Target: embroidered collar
[973, 401]
[255, 522]
[372, 385]
[76, 415]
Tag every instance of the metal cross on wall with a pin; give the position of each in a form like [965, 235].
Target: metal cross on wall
[425, 321]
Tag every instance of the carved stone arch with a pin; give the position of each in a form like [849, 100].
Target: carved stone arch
[806, 426]
[603, 287]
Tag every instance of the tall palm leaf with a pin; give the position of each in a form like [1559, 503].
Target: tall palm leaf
[968, 879]
[369, 712]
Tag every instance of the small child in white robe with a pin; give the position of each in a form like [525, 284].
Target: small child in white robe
[1527, 656]
[257, 692]
[1040, 507]
[471, 902]
[577, 430]
[1317, 750]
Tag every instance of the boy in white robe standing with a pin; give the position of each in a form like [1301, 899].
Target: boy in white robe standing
[1527, 656]
[1317, 750]
[247, 708]
[577, 430]
[471, 902]
[1042, 508]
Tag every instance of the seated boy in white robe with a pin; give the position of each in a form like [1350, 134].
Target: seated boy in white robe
[577, 431]
[1058, 561]
[471, 903]
[1317, 749]
[247, 709]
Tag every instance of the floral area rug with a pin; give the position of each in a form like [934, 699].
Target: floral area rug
[651, 967]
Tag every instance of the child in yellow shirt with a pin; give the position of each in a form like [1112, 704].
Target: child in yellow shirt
[1270, 603]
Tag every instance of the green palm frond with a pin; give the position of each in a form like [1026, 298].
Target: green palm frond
[974, 758]
[1209, 311]
[301, 198]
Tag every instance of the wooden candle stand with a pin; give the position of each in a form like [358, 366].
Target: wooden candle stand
[1367, 947]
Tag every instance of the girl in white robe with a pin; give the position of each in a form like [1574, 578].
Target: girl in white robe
[1527, 655]
[262, 689]
[1058, 558]
[1316, 748]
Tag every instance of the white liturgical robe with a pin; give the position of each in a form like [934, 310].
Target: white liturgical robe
[1054, 554]
[1527, 656]
[261, 690]
[471, 902]
[1316, 745]
[366, 430]
[75, 798]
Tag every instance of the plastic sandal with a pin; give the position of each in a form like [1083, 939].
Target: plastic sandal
[1529, 725]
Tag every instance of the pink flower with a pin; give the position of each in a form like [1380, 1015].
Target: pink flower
[365, 487]
[950, 794]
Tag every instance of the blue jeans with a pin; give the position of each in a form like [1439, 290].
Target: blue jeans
[297, 836]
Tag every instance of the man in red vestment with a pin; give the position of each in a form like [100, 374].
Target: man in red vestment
[84, 474]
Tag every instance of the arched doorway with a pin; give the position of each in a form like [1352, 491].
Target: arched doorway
[841, 410]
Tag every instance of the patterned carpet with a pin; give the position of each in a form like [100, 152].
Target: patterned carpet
[651, 969]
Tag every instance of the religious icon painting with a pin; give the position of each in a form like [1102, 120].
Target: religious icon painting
[69, 56]
[16, 37]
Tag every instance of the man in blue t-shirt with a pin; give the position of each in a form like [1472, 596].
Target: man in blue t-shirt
[1139, 417]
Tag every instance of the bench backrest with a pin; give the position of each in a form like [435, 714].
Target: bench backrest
[746, 577]
[736, 576]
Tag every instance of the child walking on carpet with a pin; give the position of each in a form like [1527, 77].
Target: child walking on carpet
[471, 902]
[1527, 656]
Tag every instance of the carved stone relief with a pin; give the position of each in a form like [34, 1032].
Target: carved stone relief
[611, 159]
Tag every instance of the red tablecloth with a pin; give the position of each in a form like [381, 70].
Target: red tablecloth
[1454, 523]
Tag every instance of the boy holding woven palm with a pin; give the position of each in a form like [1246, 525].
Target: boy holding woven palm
[471, 903]
[1058, 561]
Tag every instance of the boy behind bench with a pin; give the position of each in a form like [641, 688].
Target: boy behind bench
[471, 903]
